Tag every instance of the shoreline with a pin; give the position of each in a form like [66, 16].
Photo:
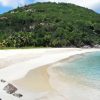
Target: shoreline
[35, 75]
[60, 86]
[39, 58]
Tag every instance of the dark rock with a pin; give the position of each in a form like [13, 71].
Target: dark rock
[3, 81]
[86, 46]
[10, 88]
[17, 95]
[97, 46]
[0, 99]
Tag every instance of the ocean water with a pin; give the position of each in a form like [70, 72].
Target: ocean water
[85, 69]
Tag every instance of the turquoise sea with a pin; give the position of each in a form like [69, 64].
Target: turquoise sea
[84, 69]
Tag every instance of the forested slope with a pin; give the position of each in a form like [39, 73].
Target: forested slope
[49, 25]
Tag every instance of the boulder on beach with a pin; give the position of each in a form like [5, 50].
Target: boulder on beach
[10, 88]
[17, 95]
[3, 81]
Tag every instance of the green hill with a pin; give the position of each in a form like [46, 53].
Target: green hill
[49, 25]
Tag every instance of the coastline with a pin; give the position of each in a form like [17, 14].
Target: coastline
[40, 57]
[38, 70]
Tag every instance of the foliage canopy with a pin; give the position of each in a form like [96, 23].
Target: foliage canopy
[49, 25]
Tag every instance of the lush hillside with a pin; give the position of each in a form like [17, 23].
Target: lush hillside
[49, 24]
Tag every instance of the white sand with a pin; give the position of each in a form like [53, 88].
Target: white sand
[39, 57]
[15, 64]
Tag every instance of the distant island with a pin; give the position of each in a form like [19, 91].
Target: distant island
[50, 25]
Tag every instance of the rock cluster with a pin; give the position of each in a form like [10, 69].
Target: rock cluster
[86, 46]
[11, 89]
[97, 46]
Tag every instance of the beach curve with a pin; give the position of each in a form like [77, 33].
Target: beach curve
[45, 56]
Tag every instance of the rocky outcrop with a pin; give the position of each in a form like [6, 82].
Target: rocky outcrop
[97, 46]
[2, 18]
[86, 46]
[10, 88]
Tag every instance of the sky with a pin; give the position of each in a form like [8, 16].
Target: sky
[6, 5]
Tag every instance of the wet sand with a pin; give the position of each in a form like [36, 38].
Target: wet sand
[35, 80]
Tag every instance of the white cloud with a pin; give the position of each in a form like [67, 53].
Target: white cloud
[13, 3]
[92, 4]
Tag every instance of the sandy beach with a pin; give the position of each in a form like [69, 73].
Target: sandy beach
[32, 72]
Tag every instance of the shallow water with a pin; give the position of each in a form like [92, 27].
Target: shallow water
[85, 69]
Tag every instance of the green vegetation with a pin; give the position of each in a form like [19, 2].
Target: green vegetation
[49, 25]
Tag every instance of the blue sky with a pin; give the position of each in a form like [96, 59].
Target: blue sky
[6, 5]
